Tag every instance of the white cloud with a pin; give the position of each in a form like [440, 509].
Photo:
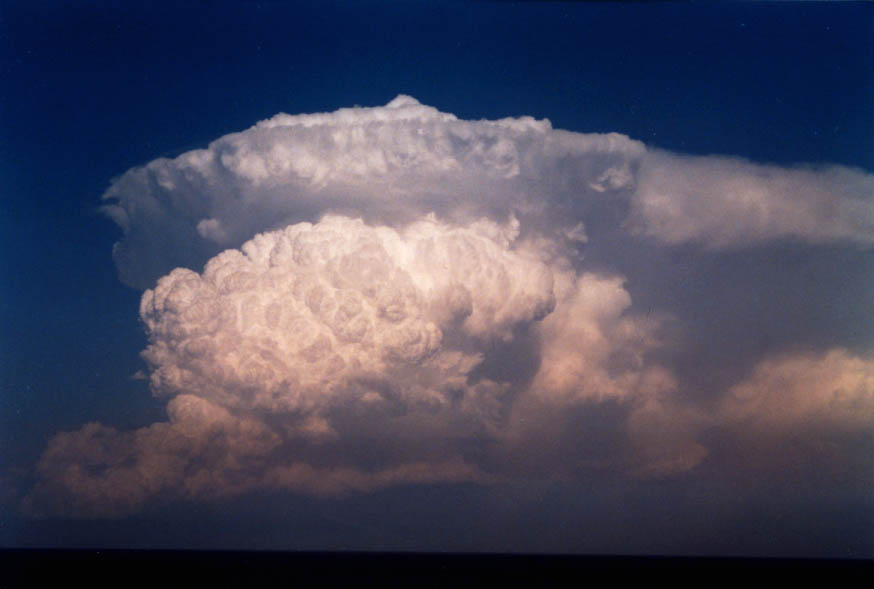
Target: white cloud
[389, 164]
[303, 316]
[393, 164]
[591, 349]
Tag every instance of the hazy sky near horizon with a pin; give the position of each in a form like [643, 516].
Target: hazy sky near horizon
[561, 277]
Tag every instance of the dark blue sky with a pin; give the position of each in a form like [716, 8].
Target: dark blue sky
[90, 89]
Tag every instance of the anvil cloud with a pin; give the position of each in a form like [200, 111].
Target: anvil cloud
[393, 164]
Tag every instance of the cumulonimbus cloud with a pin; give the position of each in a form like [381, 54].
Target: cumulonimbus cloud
[392, 295]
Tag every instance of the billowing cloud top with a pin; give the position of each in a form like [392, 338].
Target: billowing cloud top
[306, 314]
[375, 296]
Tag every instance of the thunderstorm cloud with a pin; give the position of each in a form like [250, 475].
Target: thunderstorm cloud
[346, 301]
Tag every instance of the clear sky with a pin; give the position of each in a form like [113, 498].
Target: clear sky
[655, 341]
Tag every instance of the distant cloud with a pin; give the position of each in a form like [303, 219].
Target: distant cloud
[834, 388]
[394, 296]
[592, 350]
[805, 417]
[202, 451]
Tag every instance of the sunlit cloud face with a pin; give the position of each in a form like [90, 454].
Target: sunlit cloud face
[347, 301]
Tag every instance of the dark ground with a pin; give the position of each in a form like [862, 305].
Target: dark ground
[49, 568]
